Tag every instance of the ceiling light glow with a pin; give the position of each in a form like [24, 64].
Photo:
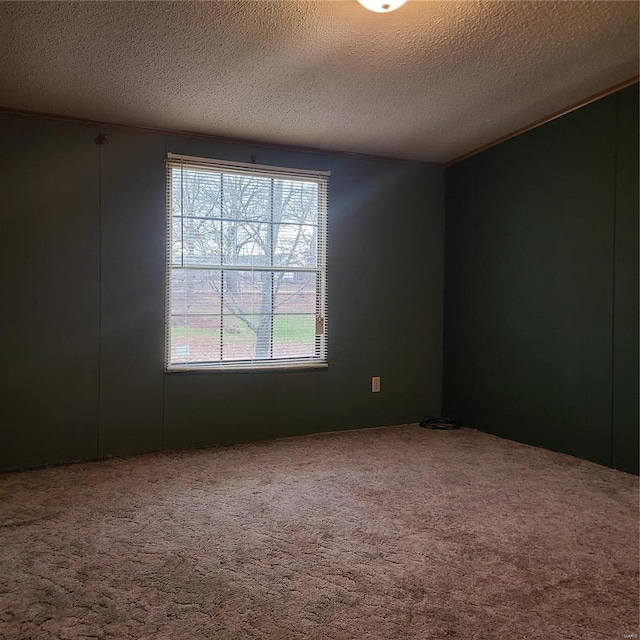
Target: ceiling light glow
[382, 6]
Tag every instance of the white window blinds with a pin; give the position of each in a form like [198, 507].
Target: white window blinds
[246, 265]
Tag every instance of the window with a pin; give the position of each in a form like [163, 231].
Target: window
[246, 265]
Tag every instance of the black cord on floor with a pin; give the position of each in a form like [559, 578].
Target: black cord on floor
[433, 422]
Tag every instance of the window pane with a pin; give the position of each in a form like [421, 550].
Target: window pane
[247, 292]
[295, 245]
[247, 243]
[247, 308]
[194, 338]
[294, 336]
[195, 291]
[295, 292]
[246, 337]
[246, 197]
[196, 192]
[295, 201]
[201, 240]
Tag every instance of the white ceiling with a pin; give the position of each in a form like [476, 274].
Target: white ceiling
[431, 81]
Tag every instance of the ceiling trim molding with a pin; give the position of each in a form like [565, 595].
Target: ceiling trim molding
[539, 123]
[214, 138]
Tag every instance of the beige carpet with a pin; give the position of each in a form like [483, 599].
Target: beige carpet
[393, 533]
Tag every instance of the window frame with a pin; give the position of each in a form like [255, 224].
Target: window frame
[319, 359]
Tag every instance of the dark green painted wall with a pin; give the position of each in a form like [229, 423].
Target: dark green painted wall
[541, 296]
[541, 285]
[82, 284]
[49, 291]
[625, 443]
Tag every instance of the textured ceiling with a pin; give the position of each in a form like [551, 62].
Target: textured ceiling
[431, 81]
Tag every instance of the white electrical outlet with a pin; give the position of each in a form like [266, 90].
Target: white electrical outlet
[375, 384]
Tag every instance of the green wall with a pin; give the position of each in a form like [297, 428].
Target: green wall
[540, 298]
[541, 285]
[82, 286]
